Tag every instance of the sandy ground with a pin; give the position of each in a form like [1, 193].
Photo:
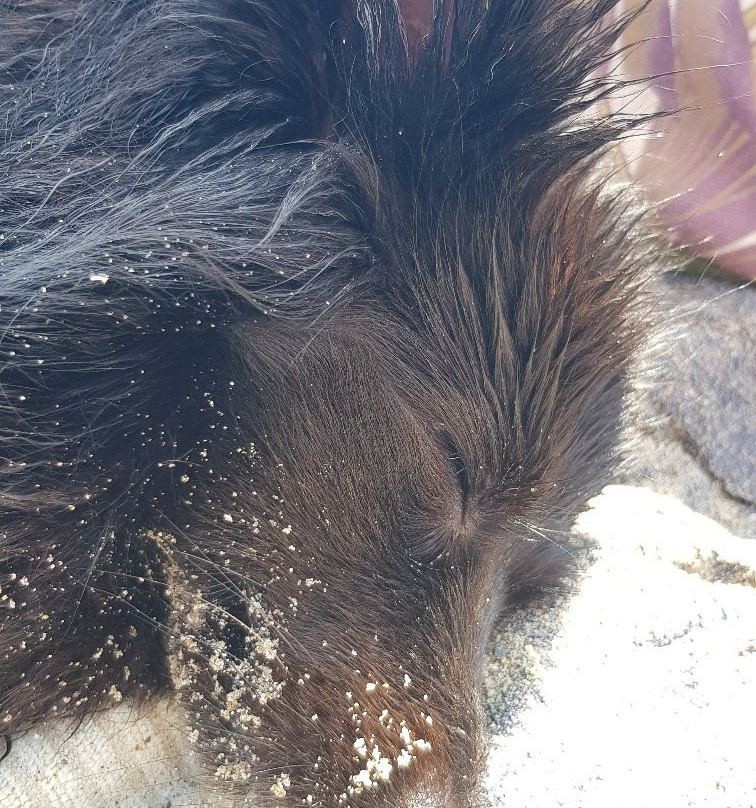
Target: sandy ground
[641, 690]
[646, 696]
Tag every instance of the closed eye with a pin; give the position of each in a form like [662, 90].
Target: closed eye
[459, 473]
[443, 530]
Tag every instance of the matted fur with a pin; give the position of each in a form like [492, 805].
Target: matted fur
[313, 338]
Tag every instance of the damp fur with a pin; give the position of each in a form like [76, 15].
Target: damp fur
[315, 333]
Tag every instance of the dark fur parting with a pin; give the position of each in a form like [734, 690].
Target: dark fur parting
[313, 335]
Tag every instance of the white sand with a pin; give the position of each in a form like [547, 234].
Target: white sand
[651, 699]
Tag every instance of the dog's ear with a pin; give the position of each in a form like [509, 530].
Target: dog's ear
[137, 221]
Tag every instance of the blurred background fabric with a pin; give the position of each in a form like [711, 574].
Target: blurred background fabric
[697, 166]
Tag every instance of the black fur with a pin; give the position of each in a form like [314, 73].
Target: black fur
[266, 264]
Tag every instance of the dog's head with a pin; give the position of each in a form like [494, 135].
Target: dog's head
[315, 335]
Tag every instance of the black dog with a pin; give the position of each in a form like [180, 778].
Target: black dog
[315, 330]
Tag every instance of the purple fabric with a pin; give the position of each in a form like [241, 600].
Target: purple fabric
[699, 166]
